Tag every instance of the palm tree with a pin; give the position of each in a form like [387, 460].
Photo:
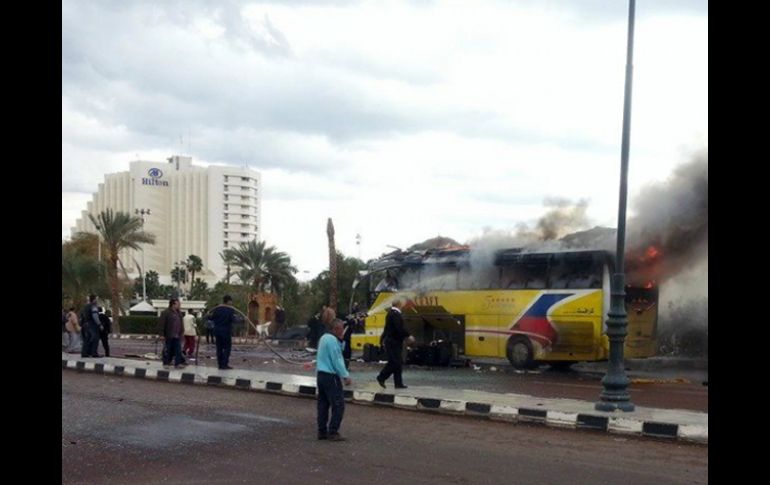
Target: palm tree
[260, 266]
[119, 231]
[179, 275]
[227, 258]
[332, 266]
[79, 275]
[193, 264]
[279, 271]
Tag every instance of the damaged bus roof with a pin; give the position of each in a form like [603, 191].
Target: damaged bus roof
[462, 255]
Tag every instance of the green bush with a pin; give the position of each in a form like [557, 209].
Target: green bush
[139, 324]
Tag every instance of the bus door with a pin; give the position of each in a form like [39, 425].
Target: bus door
[431, 325]
[642, 311]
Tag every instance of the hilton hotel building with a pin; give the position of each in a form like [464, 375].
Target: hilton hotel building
[193, 210]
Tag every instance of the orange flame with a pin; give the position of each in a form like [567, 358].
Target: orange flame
[651, 253]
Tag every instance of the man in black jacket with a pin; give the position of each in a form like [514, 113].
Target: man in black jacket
[224, 317]
[104, 332]
[393, 340]
[173, 331]
[90, 328]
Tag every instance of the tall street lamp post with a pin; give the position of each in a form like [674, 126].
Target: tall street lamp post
[615, 383]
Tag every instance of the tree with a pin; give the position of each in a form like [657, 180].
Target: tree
[119, 231]
[199, 289]
[79, 275]
[263, 268]
[152, 285]
[347, 271]
[239, 294]
[193, 265]
[229, 261]
[332, 266]
[179, 275]
[167, 291]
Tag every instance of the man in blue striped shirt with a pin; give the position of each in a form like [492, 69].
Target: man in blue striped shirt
[330, 367]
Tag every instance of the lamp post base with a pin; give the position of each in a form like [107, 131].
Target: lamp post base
[610, 406]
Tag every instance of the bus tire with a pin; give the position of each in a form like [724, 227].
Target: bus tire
[520, 352]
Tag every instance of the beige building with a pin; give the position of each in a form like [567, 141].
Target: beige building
[193, 210]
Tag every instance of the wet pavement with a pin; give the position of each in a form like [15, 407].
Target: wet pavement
[122, 430]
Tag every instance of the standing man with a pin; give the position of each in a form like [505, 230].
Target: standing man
[329, 369]
[104, 332]
[190, 332]
[393, 340]
[209, 328]
[280, 320]
[223, 317]
[73, 327]
[316, 331]
[173, 330]
[90, 324]
[347, 350]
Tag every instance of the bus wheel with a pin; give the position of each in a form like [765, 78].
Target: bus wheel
[520, 353]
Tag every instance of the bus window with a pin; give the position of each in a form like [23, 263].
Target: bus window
[513, 278]
[477, 277]
[438, 277]
[387, 282]
[572, 272]
[408, 277]
[525, 275]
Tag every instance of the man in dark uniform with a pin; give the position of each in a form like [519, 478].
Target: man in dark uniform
[104, 333]
[315, 333]
[90, 324]
[347, 351]
[393, 340]
[223, 317]
[173, 331]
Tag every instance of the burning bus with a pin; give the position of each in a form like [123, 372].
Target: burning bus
[531, 307]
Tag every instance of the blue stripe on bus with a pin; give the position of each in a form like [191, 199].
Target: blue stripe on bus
[541, 306]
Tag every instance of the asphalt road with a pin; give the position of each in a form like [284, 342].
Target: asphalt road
[669, 389]
[120, 430]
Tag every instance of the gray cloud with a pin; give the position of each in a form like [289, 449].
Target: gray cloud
[135, 65]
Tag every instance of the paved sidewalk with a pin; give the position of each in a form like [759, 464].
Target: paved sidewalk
[566, 413]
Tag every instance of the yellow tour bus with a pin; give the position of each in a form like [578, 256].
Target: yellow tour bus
[533, 308]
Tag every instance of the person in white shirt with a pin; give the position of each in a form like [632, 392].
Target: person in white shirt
[190, 332]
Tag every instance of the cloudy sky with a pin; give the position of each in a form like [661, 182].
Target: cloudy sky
[400, 120]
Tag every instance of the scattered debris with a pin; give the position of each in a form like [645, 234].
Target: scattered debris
[493, 369]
